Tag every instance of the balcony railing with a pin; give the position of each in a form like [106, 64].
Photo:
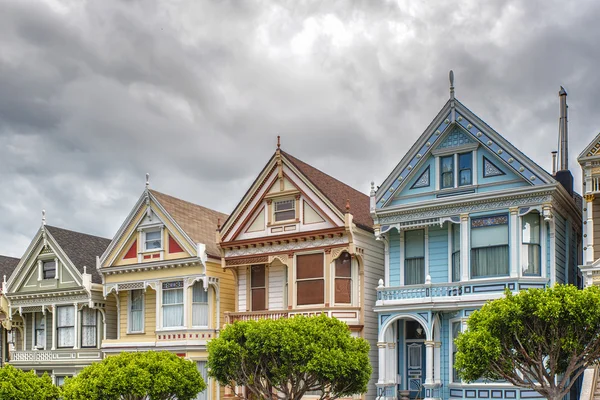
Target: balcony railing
[350, 315]
[254, 315]
[456, 290]
[55, 355]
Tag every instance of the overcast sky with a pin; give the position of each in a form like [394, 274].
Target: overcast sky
[94, 94]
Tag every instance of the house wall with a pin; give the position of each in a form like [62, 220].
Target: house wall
[438, 253]
[275, 282]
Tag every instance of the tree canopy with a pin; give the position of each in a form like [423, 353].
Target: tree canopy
[541, 339]
[137, 376]
[290, 356]
[19, 385]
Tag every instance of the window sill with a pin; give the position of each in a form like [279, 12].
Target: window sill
[286, 222]
[136, 333]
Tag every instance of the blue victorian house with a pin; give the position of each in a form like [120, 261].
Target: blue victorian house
[464, 216]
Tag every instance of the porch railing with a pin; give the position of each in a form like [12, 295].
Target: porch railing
[419, 291]
[53, 356]
[231, 317]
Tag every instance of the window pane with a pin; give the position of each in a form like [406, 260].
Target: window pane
[464, 177]
[532, 255]
[199, 295]
[447, 171]
[284, 205]
[531, 228]
[65, 316]
[257, 276]
[311, 292]
[495, 235]
[49, 269]
[455, 237]
[343, 265]
[65, 320]
[309, 266]
[201, 366]
[414, 243]
[137, 319]
[153, 240]
[258, 299]
[414, 271]
[285, 210]
[199, 305]
[88, 316]
[285, 215]
[465, 161]
[174, 296]
[489, 261]
[172, 315]
[343, 290]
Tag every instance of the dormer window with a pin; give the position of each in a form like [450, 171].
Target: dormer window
[49, 270]
[456, 170]
[284, 210]
[153, 240]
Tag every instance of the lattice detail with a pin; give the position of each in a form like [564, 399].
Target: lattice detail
[130, 286]
[490, 169]
[423, 181]
[32, 309]
[489, 221]
[455, 139]
[172, 285]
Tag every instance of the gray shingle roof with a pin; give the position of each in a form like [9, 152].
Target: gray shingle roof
[7, 266]
[81, 249]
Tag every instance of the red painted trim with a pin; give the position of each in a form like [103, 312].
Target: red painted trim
[132, 252]
[147, 257]
[174, 247]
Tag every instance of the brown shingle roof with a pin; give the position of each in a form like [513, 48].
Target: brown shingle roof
[81, 249]
[337, 192]
[7, 266]
[200, 223]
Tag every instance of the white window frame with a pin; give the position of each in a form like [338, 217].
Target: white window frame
[162, 305]
[129, 319]
[162, 239]
[292, 201]
[74, 327]
[208, 319]
[403, 253]
[523, 246]
[455, 153]
[463, 323]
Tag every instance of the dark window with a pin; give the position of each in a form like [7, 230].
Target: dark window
[40, 330]
[414, 257]
[285, 210]
[414, 330]
[343, 278]
[49, 269]
[89, 325]
[310, 284]
[531, 244]
[489, 246]
[258, 287]
[455, 252]
[465, 167]
[447, 172]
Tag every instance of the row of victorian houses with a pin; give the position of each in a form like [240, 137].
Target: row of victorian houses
[463, 216]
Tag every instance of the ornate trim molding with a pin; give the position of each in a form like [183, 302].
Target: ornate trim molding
[287, 247]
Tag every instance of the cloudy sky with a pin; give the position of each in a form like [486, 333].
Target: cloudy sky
[94, 94]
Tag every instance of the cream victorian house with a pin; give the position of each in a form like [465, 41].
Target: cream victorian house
[163, 271]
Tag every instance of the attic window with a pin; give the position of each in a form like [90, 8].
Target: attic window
[284, 210]
[153, 240]
[49, 269]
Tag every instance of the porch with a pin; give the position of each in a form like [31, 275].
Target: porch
[350, 315]
[70, 356]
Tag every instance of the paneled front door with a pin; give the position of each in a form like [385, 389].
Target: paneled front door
[415, 369]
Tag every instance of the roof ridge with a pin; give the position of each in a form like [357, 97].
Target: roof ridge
[77, 232]
[186, 201]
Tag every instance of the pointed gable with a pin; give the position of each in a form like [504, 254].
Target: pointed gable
[199, 223]
[591, 150]
[82, 249]
[337, 192]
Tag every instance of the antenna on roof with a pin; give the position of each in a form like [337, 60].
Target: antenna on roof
[147, 180]
[44, 217]
[278, 141]
[451, 77]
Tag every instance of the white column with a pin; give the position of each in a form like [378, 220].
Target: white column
[429, 362]
[382, 346]
[514, 242]
[437, 362]
[464, 247]
[588, 241]
[391, 371]
[53, 327]
[76, 346]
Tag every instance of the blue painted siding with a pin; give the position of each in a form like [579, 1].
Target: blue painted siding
[560, 248]
[394, 263]
[509, 174]
[438, 253]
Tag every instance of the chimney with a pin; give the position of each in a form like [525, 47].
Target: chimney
[554, 162]
[563, 175]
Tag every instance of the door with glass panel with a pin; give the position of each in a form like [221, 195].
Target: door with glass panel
[415, 359]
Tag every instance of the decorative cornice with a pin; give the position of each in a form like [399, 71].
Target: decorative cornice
[287, 247]
[151, 266]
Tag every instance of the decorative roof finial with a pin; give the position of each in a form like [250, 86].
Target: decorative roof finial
[451, 77]
[278, 141]
[147, 180]
[44, 217]
[347, 205]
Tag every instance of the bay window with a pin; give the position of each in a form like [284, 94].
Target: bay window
[455, 230]
[489, 246]
[136, 311]
[89, 327]
[172, 304]
[258, 287]
[414, 257]
[40, 330]
[199, 305]
[343, 278]
[310, 282]
[65, 322]
[531, 253]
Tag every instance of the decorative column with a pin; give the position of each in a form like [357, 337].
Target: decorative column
[53, 326]
[437, 357]
[588, 237]
[381, 346]
[76, 345]
[429, 346]
[464, 247]
[514, 242]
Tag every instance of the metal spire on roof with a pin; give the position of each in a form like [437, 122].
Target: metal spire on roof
[451, 77]
[44, 217]
[147, 180]
[563, 132]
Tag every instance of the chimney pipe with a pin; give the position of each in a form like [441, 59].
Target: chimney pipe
[554, 162]
[563, 134]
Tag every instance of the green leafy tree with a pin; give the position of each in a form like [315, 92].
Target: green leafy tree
[542, 339]
[19, 385]
[288, 357]
[136, 376]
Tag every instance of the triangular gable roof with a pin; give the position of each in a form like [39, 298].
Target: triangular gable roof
[81, 248]
[592, 149]
[7, 266]
[337, 192]
[198, 222]
[455, 114]
[331, 189]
